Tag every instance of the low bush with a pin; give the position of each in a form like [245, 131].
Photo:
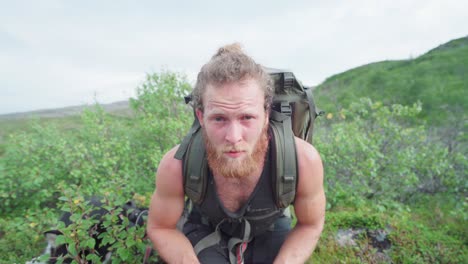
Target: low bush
[369, 152]
[380, 172]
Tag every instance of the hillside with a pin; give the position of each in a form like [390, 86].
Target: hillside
[121, 107]
[65, 117]
[439, 79]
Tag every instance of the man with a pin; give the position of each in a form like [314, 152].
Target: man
[232, 100]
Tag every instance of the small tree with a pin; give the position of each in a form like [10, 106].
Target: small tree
[160, 110]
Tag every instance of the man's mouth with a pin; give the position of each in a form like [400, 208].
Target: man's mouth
[234, 153]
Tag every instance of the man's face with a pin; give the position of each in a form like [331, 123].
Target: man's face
[234, 128]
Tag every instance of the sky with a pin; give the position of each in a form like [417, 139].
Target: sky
[63, 53]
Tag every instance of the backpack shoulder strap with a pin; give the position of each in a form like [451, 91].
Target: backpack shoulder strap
[194, 164]
[284, 163]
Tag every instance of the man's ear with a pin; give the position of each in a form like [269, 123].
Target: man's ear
[199, 114]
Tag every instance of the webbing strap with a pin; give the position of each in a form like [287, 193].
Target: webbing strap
[312, 115]
[147, 254]
[235, 242]
[289, 155]
[288, 80]
[208, 241]
[215, 237]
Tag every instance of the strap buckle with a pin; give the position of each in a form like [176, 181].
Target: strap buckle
[285, 108]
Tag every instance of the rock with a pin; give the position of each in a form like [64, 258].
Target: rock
[371, 244]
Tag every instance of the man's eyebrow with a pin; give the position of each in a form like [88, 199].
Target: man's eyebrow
[215, 112]
[237, 113]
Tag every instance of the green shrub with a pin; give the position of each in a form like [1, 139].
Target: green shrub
[22, 235]
[126, 242]
[104, 153]
[161, 114]
[109, 156]
[378, 166]
[370, 152]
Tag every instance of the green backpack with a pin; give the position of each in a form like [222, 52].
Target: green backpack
[293, 113]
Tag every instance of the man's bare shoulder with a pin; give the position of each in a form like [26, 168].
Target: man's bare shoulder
[307, 152]
[169, 162]
[310, 168]
[169, 174]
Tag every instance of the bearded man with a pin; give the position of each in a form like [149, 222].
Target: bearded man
[232, 101]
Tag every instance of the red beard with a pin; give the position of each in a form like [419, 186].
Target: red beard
[236, 168]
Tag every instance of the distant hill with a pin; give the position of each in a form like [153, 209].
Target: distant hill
[439, 79]
[121, 107]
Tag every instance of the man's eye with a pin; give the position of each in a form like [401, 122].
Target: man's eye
[219, 119]
[247, 117]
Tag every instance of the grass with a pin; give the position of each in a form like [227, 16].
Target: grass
[424, 232]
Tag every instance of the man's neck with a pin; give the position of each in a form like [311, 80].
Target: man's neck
[235, 192]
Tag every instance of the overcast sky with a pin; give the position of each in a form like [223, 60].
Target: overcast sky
[63, 53]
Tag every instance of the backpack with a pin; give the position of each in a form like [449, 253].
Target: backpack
[293, 113]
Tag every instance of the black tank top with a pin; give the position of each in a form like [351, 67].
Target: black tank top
[260, 210]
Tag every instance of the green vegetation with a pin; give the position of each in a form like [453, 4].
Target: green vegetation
[46, 168]
[388, 166]
[398, 156]
[382, 173]
[438, 79]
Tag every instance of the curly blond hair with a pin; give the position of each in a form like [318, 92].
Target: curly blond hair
[231, 64]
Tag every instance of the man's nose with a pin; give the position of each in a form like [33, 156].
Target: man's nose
[234, 133]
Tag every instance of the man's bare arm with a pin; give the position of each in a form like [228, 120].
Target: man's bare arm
[167, 204]
[309, 207]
